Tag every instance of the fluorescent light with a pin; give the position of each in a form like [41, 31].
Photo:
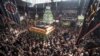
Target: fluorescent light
[42, 1]
[37, 1]
[57, 0]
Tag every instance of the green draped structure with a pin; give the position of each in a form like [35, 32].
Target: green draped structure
[48, 16]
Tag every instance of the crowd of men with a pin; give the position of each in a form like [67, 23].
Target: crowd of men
[61, 43]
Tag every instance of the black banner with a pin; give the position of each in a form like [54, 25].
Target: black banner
[11, 10]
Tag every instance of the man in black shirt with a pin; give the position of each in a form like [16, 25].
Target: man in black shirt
[66, 35]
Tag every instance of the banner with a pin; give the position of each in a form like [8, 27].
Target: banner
[11, 10]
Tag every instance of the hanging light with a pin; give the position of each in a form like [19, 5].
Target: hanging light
[25, 14]
[81, 17]
[48, 7]
[36, 15]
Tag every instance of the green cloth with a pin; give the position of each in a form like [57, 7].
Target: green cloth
[48, 17]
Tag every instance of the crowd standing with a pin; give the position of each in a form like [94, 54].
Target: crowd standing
[61, 43]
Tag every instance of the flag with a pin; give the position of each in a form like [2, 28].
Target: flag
[11, 10]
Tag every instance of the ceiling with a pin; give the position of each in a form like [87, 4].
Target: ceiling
[69, 8]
